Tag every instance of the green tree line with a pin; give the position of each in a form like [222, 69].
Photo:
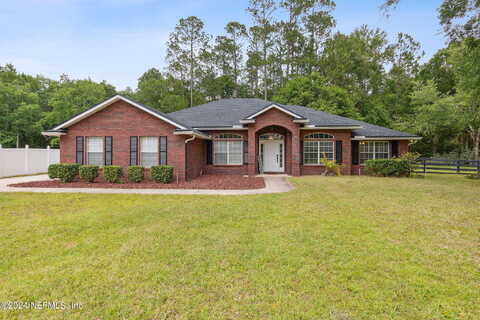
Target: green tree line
[291, 54]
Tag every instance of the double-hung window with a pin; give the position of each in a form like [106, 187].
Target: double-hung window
[228, 149]
[370, 150]
[317, 146]
[95, 151]
[149, 151]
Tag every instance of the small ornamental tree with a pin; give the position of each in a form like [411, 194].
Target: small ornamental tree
[331, 167]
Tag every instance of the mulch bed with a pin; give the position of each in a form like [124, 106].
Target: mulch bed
[220, 182]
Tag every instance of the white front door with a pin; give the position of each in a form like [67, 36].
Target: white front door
[273, 156]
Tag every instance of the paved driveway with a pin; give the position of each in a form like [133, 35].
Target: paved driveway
[273, 184]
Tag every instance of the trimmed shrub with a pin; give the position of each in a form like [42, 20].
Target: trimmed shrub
[388, 167]
[112, 173]
[136, 173]
[67, 171]
[88, 173]
[53, 170]
[163, 173]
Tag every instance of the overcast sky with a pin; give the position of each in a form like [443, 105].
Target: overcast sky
[118, 40]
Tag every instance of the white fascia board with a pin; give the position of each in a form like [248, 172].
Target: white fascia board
[221, 128]
[244, 121]
[192, 133]
[53, 134]
[108, 102]
[361, 138]
[296, 116]
[327, 128]
[301, 120]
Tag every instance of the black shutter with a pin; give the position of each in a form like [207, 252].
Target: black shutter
[245, 152]
[79, 149]
[394, 147]
[108, 151]
[133, 150]
[355, 153]
[301, 152]
[208, 146]
[162, 147]
[338, 151]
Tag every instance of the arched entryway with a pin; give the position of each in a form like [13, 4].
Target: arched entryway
[273, 150]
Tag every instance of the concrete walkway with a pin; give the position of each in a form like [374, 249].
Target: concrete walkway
[273, 184]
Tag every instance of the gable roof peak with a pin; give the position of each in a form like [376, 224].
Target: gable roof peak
[113, 99]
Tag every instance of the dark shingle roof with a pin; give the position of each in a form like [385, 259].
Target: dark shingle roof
[228, 112]
[220, 113]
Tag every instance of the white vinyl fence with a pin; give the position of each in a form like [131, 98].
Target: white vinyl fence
[26, 161]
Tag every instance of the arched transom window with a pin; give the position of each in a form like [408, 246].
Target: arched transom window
[318, 136]
[228, 149]
[271, 136]
[317, 146]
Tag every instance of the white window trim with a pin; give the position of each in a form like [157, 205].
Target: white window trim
[228, 153]
[85, 147]
[139, 147]
[319, 163]
[306, 139]
[374, 156]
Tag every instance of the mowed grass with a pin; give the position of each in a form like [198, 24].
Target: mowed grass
[334, 248]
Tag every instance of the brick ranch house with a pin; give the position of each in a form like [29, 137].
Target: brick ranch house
[228, 136]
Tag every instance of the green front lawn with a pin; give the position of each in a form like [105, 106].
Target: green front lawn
[334, 248]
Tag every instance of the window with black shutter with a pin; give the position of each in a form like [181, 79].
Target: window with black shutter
[79, 149]
[108, 151]
[355, 153]
[394, 149]
[133, 151]
[245, 152]
[162, 148]
[208, 150]
[338, 151]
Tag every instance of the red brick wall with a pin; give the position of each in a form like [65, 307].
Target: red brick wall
[196, 158]
[121, 120]
[403, 147]
[338, 135]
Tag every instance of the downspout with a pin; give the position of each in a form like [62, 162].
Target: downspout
[186, 159]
